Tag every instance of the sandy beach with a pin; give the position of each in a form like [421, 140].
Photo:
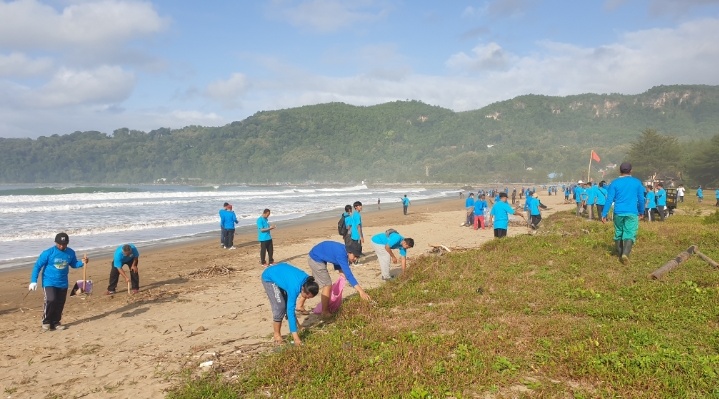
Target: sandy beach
[197, 303]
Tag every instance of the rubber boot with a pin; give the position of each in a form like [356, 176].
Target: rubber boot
[627, 250]
[618, 244]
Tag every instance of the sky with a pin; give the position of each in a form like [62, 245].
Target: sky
[100, 65]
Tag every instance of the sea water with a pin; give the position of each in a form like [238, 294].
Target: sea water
[99, 218]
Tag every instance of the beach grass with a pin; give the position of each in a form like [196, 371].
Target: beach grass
[552, 315]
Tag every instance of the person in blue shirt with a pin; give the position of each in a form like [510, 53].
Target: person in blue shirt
[535, 214]
[405, 204]
[566, 194]
[591, 198]
[700, 194]
[348, 223]
[716, 195]
[265, 238]
[650, 203]
[54, 263]
[627, 194]
[578, 196]
[339, 256]
[228, 220]
[124, 255]
[222, 227]
[469, 208]
[499, 216]
[661, 201]
[601, 198]
[479, 207]
[357, 237]
[384, 243]
[284, 283]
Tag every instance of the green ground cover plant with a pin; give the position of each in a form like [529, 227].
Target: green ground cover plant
[543, 316]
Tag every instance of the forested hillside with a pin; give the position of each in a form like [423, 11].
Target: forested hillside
[525, 138]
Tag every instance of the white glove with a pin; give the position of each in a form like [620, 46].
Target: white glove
[32, 287]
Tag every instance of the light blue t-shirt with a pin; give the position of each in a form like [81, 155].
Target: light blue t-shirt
[627, 194]
[356, 222]
[228, 219]
[469, 202]
[348, 222]
[651, 200]
[534, 206]
[290, 279]
[120, 259]
[500, 213]
[661, 197]
[601, 196]
[54, 265]
[578, 193]
[263, 223]
[479, 207]
[394, 241]
[700, 193]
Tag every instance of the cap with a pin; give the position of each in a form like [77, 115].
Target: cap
[354, 249]
[625, 167]
[62, 239]
[580, 182]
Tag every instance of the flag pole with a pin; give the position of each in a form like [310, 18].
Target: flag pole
[589, 169]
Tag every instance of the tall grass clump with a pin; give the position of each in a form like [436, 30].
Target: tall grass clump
[548, 315]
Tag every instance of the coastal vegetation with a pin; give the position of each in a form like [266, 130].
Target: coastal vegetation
[549, 315]
[523, 139]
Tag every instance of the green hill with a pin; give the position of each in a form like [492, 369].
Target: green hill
[399, 141]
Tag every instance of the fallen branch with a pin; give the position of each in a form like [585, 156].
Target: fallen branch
[672, 264]
[707, 259]
[438, 248]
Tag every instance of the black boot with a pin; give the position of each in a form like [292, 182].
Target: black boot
[627, 250]
[618, 244]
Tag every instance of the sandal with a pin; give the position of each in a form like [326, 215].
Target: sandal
[302, 312]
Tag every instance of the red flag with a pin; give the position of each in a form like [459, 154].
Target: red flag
[595, 156]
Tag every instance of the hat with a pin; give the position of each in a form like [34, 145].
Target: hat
[354, 249]
[62, 239]
[580, 182]
[625, 167]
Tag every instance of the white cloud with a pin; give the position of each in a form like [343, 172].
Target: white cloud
[30, 24]
[228, 91]
[103, 85]
[328, 15]
[19, 65]
[483, 57]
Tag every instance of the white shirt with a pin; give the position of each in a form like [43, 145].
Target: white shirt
[680, 191]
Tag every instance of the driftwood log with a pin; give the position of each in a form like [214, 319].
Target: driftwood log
[681, 257]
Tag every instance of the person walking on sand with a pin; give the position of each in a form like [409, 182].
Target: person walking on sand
[283, 284]
[469, 209]
[378, 201]
[384, 243]
[265, 238]
[499, 216]
[405, 204]
[222, 227]
[627, 194]
[124, 255]
[347, 237]
[480, 205]
[54, 263]
[228, 220]
[340, 257]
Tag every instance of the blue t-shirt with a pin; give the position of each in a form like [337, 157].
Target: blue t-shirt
[500, 213]
[700, 193]
[661, 197]
[716, 193]
[533, 206]
[120, 259]
[356, 222]
[592, 195]
[651, 200]
[578, 193]
[263, 223]
[627, 194]
[348, 222]
[336, 254]
[601, 196]
[479, 207]
[405, 201]
[53, 263]
[228, 219]
[290, 279]
[469, 202]
[394, 241]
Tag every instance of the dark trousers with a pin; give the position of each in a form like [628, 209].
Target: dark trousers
[266, 248]
[115, 277]
[662, 211]
[534, 221]
[404, 209]
[600, 209]
[222, 236]
[229, 238]
[499, 233]
[54, 304]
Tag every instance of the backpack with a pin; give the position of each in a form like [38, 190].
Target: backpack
[390, 231]
[341, 226]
